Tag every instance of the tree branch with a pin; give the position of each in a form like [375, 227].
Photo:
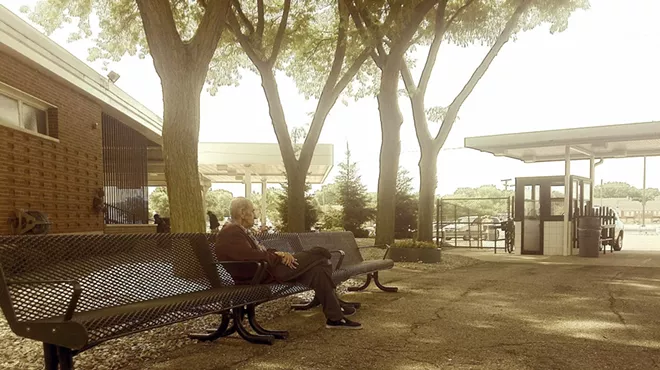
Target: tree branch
[208, 34]
[375, 30]
[432, 56]
[160, 30]
[362, 29]
[340, 49]
[457, 13]
[417, 104]
[399, 47]
[408, 80]
[246, 21]
[260, 22]
[244, 40]
[502, 39]
[325, 102]
[280, 33]
[351, 72]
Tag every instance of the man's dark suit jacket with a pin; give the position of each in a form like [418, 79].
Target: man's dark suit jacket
[234, 244]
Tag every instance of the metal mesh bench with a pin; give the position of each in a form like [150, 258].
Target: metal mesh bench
[347, 259]
[73, 292]
[353, 263]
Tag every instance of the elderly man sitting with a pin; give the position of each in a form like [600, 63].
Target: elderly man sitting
[236, 243]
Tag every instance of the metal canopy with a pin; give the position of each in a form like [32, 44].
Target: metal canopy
[612, 141]
[231, 162]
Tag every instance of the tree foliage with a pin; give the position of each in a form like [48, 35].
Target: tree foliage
[311, 213]
[159, 203]
[486, 200]
[624, 190]
[405, 218]
[272, 203]
[352, 196]
[217, 201]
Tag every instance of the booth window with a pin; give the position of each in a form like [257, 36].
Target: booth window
[557, 195]
[19, 110]
[532, 203]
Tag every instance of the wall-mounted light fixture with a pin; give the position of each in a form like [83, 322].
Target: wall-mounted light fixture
[113, 76]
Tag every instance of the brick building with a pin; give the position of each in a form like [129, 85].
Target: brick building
[631, 211]
[67, 132]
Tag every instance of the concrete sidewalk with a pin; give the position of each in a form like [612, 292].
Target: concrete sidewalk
[518, 314]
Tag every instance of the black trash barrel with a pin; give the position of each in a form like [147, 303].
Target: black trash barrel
[589, 236]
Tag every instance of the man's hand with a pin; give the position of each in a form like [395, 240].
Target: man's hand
[288, 259]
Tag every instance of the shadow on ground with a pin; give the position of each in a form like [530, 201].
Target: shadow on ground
[492, 315]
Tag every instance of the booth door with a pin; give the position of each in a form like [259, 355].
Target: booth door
[531, 226]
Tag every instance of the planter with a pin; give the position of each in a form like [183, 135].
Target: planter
[425, 255]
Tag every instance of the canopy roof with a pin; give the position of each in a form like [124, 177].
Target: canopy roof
[612, 141]
[229, 163]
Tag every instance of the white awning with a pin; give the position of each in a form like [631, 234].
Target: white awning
[230, 162]
[612, 141]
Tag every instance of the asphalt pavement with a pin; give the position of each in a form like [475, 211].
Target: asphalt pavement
[506, 312]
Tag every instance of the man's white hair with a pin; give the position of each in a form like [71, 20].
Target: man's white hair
[238, 204]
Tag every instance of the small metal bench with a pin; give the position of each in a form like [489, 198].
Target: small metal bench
[347, 259]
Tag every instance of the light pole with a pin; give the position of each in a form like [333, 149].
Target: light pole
[506, 184]
[644, 196]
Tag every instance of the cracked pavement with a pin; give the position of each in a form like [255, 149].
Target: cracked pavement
[531, 313]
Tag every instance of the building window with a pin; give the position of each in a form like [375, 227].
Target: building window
[18, 109]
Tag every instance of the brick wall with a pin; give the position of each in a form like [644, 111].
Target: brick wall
[40, 174]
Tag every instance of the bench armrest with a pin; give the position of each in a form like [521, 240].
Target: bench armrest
[75, 297]
[379, 246]
[258, 275]
[341, 257]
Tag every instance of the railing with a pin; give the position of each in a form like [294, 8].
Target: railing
[471, 225]
[115, 215]
[607, 222]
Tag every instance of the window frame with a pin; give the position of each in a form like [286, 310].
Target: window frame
[26, 99]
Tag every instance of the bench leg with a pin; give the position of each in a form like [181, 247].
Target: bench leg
[65, 358]
[242, 331]
[362, 287]
[51, 362]
[252, 319]
[213, 334]
[383, 287]
[306, 306]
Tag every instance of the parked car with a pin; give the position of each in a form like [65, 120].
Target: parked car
[618, 228]
[473, 227]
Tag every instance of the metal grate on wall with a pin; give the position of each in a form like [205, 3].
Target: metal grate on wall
[124, 173]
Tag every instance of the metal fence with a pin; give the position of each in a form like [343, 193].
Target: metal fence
[124, 173]
[472, 222]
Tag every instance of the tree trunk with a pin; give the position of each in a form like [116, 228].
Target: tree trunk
[295, 177]
[428, 182]
[296, 204]
[390, 148]
[181, 105]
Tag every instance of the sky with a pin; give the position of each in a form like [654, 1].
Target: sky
[601, 70]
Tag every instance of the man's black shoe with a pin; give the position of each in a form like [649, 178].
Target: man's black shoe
[343, 324]
[348, 310]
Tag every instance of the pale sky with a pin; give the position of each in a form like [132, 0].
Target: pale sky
[601, 70]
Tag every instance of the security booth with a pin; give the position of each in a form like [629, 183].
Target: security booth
[540, 207]
[544, 230]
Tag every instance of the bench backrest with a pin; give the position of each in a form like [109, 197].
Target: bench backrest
[331, 240]
[274, 241]
[113, 270]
